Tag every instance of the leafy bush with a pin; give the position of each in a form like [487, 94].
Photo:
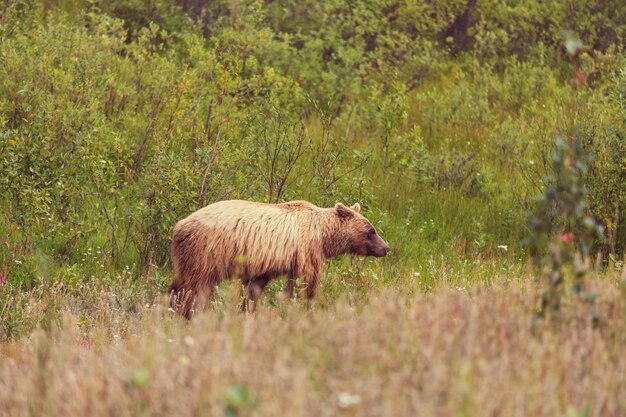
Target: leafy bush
[603, 134]
[562, 234]
[118, 118]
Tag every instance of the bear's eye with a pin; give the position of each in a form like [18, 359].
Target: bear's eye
[371, 232]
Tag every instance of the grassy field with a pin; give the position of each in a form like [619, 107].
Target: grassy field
[480, 352]
[485, 140]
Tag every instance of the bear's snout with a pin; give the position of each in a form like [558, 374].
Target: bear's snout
[381, 248]
[384, 251]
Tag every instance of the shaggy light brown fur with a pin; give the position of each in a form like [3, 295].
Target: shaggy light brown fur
[259, 242]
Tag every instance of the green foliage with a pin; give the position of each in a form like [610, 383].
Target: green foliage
[562, 228]
[118, 118]
[603, 133]
[278, 139]
[389, 114]
[237, 401]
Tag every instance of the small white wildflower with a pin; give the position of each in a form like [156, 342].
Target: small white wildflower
[17, 261]
[417, 273]
[345, 399]
[171, 310]
[503, 247]
[531, 162]
[188, 340]
[116, 336]
[147, 305]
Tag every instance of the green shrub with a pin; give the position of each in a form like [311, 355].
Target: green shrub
[119, 118]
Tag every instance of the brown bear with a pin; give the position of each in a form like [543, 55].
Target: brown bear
[259, 242]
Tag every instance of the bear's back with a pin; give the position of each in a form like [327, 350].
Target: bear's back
[267, 235]
[228, 212]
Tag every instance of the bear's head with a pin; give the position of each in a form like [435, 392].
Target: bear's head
[362, 238]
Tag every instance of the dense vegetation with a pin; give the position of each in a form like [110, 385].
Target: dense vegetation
[446, 354]
[118, 118]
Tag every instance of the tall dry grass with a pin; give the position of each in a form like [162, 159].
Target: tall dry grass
[451, 353]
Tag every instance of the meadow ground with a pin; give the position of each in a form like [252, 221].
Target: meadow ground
[451, 352]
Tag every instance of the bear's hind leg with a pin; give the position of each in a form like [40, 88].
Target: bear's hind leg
[185, 304]
[203, 297]
[253, 290]
[187, 299]
[181, 298]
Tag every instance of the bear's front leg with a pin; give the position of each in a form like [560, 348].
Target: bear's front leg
[311, 289]
[310, 273]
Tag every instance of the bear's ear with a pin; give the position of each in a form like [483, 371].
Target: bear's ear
[343, 211]
[356, 207]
